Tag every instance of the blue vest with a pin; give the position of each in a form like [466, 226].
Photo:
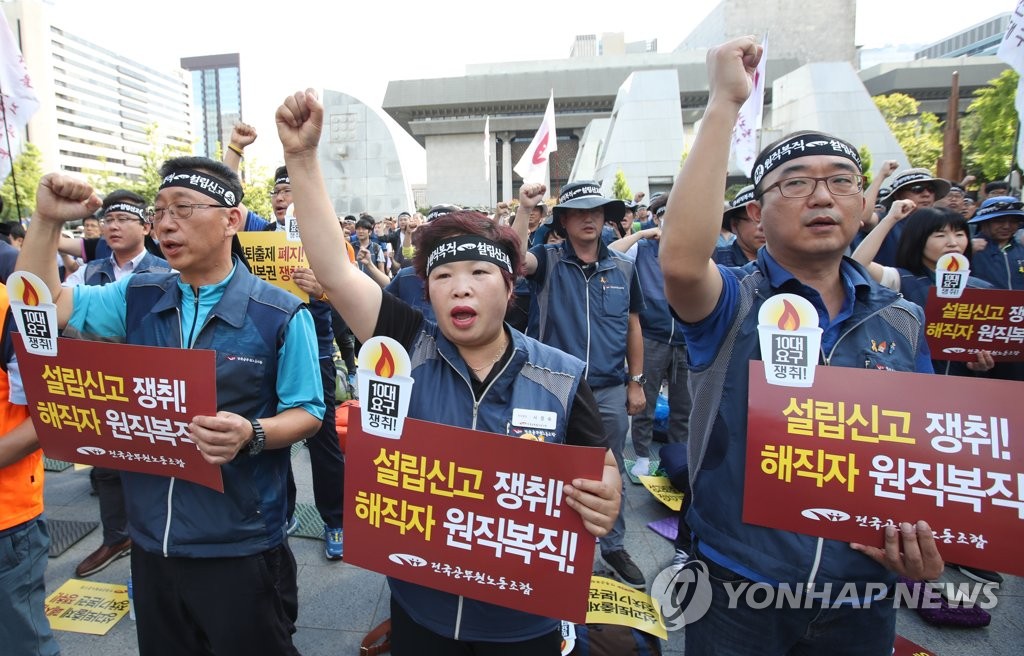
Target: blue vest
[1004, 268]
[586, 318]
[536, 377]
[718, 432]
[656, 318]
[914, 287]
[407, 286]
[731, 255]
[245, 329]
[101, 272]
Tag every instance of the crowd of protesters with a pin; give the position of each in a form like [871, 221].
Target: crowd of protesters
[628, 300]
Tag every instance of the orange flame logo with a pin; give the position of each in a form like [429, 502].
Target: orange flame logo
[790, 319]
[385, 364]
[953, 265]
[29, 295]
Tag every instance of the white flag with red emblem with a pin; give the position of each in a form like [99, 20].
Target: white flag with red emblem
[744, 134]
[532, 166]
[1011, 51]
[17, 97]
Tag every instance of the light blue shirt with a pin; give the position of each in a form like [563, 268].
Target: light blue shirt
[100, 311]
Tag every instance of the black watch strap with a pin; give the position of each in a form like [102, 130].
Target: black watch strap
[259, 438]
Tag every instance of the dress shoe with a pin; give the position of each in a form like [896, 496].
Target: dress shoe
[102, 557]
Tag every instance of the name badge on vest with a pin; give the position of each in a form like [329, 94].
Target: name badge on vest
[537, 425]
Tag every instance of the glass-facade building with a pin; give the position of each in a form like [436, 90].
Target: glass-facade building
[216, 99]
[100, 112]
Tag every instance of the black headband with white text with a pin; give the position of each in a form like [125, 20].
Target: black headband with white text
[134, 210]
[204, 184]
[469, 247]
[284, 179]
[804, 145]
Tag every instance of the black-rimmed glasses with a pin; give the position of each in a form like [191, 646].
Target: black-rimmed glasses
[840, 184]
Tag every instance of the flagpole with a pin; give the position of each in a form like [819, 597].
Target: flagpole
[10, 153]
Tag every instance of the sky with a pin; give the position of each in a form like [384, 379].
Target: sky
[357, 47]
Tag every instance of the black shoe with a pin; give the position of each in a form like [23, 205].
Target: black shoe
[625, 568]
[980, 575]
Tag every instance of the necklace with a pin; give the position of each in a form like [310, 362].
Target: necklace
[497, 356]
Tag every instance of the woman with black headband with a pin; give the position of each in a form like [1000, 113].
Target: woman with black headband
[928, 234]
[469, 367]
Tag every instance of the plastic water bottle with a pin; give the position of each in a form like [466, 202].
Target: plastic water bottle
[131, 598]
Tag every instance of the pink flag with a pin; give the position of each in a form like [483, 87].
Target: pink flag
[17, 97]
[532, 166]
[744, 135]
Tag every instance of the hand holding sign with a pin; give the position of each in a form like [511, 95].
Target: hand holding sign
[221, 436]
[597, 502]
[919, 558]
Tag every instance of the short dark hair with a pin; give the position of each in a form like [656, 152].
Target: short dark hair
[465, 222]
[281, 172]
[365, 222]
[918, 227]
[91, 217]
[123, 196]
[212, 167]
[14, 229]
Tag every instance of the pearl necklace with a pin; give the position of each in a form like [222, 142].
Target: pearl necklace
[501, 352]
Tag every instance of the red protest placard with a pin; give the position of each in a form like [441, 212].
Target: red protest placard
[866, 448]
[980, 320]
[904, 647]
[471, 513]
[122, 406]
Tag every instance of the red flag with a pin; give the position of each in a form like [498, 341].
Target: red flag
[17, 97]
[532, 166]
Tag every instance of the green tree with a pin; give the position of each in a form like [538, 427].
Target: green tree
[865, 164]
[918, 133]
[148, 181]
[256, 185]
[27, 171]
[621, 188]
[102, 179]
[989, 130]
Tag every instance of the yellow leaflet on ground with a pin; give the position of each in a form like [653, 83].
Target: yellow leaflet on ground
[612, 602]
[87, 606]
[663, 491]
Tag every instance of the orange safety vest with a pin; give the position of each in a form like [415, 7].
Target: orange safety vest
[21, 483]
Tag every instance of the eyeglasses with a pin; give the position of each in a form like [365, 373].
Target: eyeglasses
[279, 192]
[840, 184]
[176, 211]
[920, 188]
[118, 220]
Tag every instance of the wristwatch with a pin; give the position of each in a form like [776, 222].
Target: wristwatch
[639, 379]
[259, 438]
